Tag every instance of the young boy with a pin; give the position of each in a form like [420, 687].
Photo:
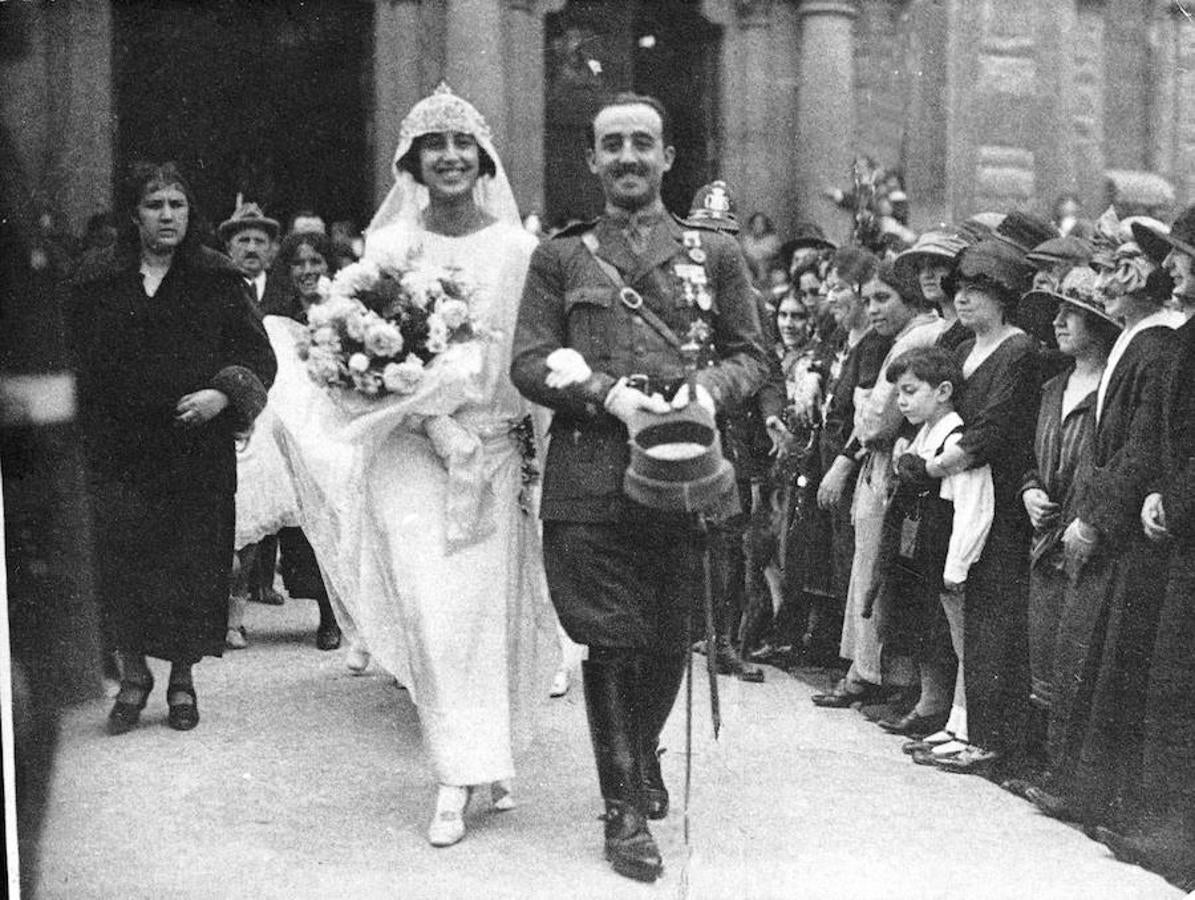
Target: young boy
[934, 531]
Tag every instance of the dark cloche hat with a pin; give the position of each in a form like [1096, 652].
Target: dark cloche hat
[248, 215]
[1025, 230]
[995, 260]
[714, 207]
[1157, 243]
[1067, 249]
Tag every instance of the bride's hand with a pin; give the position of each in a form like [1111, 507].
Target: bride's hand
[449, 438]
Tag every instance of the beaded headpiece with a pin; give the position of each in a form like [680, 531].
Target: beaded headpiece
[440, 112]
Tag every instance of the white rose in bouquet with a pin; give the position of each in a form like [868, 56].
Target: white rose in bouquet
[356, 321]
[403, 377]
[330, 310]
[358, 363]
[423, 286]
[323, 365]
[356, 278]
[382, 338]
[455, 313]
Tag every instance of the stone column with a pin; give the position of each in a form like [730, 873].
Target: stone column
[523, 151]
[397, 85]
[473, 65]
[825, 105]
[59, 108]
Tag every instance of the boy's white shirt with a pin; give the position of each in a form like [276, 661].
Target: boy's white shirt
[970, 491]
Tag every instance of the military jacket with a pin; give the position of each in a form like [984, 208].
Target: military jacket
[695, 280]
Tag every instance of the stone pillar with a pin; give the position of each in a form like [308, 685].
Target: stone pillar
[825, 106]
[523, 151]
[473, 59]
[397, 83]
[59, 108]
[1087, 106]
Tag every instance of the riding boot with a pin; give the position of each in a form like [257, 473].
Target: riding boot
[659, 678]
[609, 679]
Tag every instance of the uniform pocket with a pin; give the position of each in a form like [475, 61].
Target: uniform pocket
[591, 320]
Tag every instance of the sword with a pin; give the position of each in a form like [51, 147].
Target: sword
[711, 641]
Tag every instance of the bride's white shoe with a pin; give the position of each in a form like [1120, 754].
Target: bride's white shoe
[502, 796]
[448, 823]
[358, 660]
[560, 683]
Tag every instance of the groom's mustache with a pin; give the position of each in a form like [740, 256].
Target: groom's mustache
[629, 169]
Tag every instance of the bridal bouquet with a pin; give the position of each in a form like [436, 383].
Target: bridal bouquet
[382, 324]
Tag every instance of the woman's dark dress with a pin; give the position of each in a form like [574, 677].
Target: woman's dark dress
[1061, 447]
[1108, 621]
[163, 497]
[999, 405]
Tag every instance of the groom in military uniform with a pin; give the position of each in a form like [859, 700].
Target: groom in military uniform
[611, 315]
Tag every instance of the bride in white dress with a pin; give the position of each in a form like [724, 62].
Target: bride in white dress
[440, 569]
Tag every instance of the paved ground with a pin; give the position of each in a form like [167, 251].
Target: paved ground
[305, 782]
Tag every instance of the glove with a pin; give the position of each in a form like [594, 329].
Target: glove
[910, 469]
[624, 401]
[566, 367]
[681, 399]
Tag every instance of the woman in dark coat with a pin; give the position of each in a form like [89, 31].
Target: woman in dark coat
[1161, 834]
[1083, 333]
[999, 405]
[173, 363]
[1108, 619]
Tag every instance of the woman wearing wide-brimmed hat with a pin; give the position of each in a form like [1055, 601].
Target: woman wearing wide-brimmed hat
[1107, 625]
[1162, 837]
[1072, 317]
[926, 264]
[999, 405]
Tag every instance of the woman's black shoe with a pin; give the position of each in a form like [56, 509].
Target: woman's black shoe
[631, 849]
[914, 724]
[123, 716]
[327, 636]
[183, 716]
[843, 697]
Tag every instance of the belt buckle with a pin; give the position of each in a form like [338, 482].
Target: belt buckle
[639, 382]
[630, 298]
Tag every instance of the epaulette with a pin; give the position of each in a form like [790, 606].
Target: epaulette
[573, 229]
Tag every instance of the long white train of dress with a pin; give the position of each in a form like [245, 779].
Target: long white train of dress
[457, 625]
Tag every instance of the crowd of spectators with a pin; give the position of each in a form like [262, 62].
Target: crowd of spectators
[975, 500]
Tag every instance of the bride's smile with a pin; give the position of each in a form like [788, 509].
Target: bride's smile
[449, 163]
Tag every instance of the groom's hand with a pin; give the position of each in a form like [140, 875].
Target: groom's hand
[624, 401]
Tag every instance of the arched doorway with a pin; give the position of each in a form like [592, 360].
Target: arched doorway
[265, 98]
[595, 48]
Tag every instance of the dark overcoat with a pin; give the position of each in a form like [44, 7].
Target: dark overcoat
[163, 497]
[1108, 621]
[1169, 753]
